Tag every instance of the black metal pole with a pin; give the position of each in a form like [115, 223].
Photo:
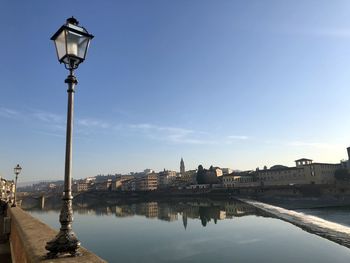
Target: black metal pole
[66, 240]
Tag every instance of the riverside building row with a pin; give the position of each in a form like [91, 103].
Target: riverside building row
[305, 172]
[148, 182]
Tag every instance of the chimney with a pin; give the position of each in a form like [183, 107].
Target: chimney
[348, 153]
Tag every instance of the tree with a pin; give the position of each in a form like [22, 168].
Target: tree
[200, 174]
[342, 174]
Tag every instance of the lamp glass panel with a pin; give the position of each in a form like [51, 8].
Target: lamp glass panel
[17, 169]
[81, 41]
[60, 43]
[82, 46]
[73, 40]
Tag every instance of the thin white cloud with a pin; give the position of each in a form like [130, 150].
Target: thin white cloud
[143, 126]
[238, 137]
[147, 126]
[92, 123]
[197, 141]
[232, 139]
[55, 124]
[48, 117]
[58, 122]
[58, 127]
[59, 135]
[8, 113]
[171, 134]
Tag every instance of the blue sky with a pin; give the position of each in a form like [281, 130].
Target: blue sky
[237, 84]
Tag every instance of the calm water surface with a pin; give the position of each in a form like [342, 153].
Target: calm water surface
[202, 231]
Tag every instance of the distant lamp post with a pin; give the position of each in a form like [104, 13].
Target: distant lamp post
[72, 42]
[17, 170]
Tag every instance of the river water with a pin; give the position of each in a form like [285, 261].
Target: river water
[196, 231]
[339, 215]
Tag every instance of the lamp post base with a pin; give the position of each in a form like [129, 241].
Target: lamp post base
[65, 242]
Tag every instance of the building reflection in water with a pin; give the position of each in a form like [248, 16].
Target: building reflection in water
[204, 211]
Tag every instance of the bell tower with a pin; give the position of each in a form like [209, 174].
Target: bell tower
[182, 167]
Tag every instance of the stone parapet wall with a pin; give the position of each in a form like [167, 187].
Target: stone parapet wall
[28, 239]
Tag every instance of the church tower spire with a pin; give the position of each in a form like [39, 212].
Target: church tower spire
[182, 167]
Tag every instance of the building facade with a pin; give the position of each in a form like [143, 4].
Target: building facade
[80, 187]
[305, 172]
[128, 185]
[166, 178]
[103, 186]
[7, 189]
[119, 181]
[240, 179]
[147, 183]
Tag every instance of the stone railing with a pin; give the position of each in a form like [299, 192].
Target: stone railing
[28, 238]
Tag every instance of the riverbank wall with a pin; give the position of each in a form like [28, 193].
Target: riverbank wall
[28, 237]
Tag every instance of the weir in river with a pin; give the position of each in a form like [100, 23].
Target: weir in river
[332, 231]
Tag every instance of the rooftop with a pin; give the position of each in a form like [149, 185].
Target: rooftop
[303, 159]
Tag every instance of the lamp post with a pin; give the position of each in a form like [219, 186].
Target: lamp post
[17, 170]
[72, 42]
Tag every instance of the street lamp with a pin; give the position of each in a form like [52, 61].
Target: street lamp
[17, 170]
[72, 42]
